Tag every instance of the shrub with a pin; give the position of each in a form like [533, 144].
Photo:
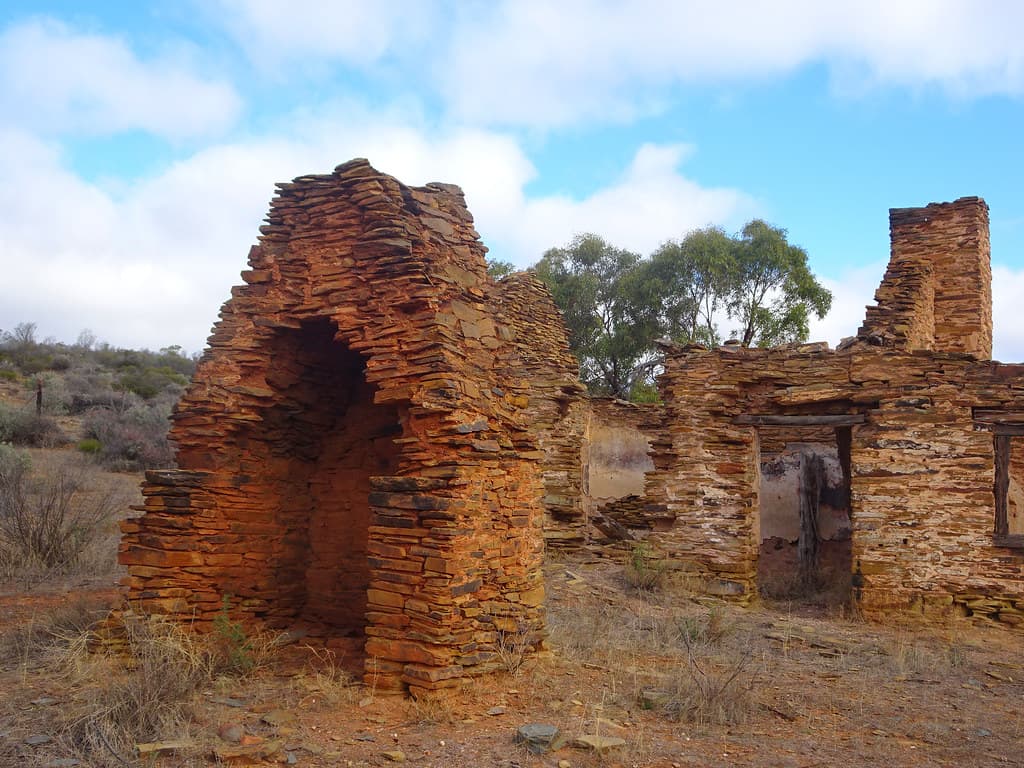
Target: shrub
[89, 445]
[232, 644]
[132, 439]
[26, 428]
[149, 381]
[642, 572]
[48, 521]
[9, 374]
[710, 690]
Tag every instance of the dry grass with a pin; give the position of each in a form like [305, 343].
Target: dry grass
[146, 696]
[514, 646]
[644, 572]
[324, 683]
[58, 515]
[50, 631]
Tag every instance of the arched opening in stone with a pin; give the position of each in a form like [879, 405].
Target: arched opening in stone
[321, 441]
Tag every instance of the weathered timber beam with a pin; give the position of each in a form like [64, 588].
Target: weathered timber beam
[830, 420]
[1001, 429]
[998, 417]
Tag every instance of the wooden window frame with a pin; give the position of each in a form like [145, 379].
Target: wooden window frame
[1002, 445]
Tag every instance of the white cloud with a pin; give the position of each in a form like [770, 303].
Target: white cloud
[541, 63]
[852, 292]
[855, 289]
[1008, 331]
[150, 265]
[652, 202]
[353, 31]
[56, 80]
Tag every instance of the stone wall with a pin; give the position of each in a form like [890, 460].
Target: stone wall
[937, 291]
[355, 449]
[620, 438]
[558, 411]
[918, 423]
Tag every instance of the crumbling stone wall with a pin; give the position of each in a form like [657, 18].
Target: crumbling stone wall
[620, 438]
[557, 409]
[355, 453]
[937, 290]
[918, 421]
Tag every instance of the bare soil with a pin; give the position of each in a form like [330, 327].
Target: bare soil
[801, 686]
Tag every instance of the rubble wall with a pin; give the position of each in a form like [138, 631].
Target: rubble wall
[937, 290]
[557, 410]
[922, 501]
[354, 450]
[921, 465]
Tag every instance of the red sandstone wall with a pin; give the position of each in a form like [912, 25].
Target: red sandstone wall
[558, 410]
[354, 452]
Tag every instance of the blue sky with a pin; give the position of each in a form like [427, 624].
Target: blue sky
[139, 142]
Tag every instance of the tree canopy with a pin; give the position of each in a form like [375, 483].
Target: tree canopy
[617, 304]
[593, 283]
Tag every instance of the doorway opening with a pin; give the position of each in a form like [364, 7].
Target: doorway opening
[805, 537]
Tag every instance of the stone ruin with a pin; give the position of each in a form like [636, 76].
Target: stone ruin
[367, 439]
[379, 440]
[909, 434]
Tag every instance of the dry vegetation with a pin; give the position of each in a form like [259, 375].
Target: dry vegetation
[632, 653]
[684, 681]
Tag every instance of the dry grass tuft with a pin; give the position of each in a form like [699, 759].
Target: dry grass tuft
[513, 647]
[643, 572]
[325, 683]
[50, 632]
[711, 689]
[142, 698]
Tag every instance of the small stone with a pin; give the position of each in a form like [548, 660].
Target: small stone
[365, 737]
[38, 738]
[539, 737]
[494, 711]
[64, 762]
[227, 701]
[564, 764]
[231, 732]
[395, 755]
[43, 701]
[599, 744]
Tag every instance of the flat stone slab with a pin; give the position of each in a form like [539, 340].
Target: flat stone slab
[598, 743]
[539, 737]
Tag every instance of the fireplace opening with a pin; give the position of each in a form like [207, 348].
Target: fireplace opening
[322, 440]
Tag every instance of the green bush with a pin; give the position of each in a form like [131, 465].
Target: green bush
[89, 445]
[9, 374]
